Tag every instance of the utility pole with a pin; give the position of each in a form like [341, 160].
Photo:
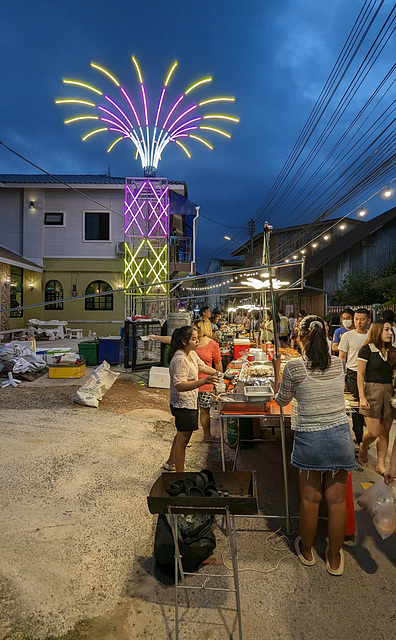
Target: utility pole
[251, 231]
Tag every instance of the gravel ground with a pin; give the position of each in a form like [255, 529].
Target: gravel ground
[76, 536]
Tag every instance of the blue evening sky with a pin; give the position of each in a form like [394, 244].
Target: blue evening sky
[274, 56]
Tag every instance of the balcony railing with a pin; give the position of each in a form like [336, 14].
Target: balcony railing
[180, 249]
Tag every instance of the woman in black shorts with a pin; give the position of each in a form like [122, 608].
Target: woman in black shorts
[376, 365]
[184, 365]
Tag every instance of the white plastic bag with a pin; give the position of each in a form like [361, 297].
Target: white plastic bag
[378, 501]
[96, 386]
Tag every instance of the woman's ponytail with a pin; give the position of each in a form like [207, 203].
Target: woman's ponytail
[313, 336]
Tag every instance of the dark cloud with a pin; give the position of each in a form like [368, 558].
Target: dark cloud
[274, 57]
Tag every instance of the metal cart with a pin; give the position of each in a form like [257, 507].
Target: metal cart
[241, 500]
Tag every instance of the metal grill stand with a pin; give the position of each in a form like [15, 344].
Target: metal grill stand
[173, 512]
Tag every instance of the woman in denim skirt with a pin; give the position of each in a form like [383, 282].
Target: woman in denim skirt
[323, 447]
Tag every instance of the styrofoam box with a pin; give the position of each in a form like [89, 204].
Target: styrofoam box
[55, 353]
[159, 377]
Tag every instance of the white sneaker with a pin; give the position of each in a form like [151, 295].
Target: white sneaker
[168, 467]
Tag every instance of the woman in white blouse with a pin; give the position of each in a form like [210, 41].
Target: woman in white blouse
[184, 365]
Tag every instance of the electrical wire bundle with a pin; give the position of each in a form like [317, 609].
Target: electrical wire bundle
[342, 154]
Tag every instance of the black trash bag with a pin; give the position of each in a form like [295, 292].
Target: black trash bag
[196, 542]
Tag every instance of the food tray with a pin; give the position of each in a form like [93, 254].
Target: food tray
[264, 393]
[241, 485]
[239, 402]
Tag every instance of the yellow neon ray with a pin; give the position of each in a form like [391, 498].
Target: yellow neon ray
[85, 86]
[201, 140]
[222, 133]
[69, 100]
[92, 133]
[135, 62]
[171, 70]
[186, 151]
[220, 117]
[81, 118]
[107, 73]
[201, 104]
[114, 143]
[197, 84]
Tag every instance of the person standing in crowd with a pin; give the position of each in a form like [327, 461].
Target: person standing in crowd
[334, 325]
[184, 366]
[301, 314]
[267, 333]
[209, 352]
[238, 318]
[389, 316]
[217, 326]
[350, 344]
[347, 325]
[283, 327]
[205, 324]
[375, 368]
[292, 322]
[246, 321]
[323, 446]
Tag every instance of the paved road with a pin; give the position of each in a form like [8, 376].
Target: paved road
[76, 537]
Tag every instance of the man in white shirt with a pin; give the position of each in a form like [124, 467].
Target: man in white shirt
[350, 344]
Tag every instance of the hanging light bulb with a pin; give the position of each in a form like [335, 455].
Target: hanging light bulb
[287, 260]
[362, 212]
[314, 245]
[295, 257]
[387, 193]
[302, 251]
[326, 237]
[342, 227]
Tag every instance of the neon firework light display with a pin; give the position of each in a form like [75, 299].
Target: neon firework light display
[182, 121]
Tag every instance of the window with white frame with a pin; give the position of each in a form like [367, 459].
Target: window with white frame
[96, 226]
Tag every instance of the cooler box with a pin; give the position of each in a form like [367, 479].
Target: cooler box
[66, 370]
[241, 347]
[159, 377]
[111, 349]
[89, 351]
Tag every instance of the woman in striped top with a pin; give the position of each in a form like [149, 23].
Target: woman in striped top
[323, 447]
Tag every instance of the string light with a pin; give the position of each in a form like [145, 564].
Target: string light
[326, 237]
[314, 245]
[342, 227]
[387, 193]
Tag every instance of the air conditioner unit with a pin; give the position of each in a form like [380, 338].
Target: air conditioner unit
[120, 249]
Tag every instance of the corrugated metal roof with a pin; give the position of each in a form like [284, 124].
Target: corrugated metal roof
[346, 242]
[28, 178]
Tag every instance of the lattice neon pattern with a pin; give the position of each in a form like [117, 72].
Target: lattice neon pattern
[146, 209]
[146, 263]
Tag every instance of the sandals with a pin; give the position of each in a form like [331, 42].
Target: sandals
[307, 563]
[340, 570]
[362, 457]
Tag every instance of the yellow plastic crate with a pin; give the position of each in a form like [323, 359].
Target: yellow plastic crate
[66, 370]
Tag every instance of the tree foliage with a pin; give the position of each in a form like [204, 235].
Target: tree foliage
[367, 287]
